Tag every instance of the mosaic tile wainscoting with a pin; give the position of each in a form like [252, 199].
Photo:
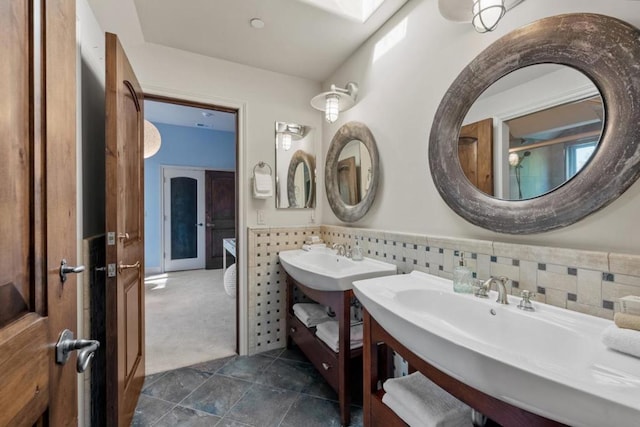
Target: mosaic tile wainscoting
[267, 286]
[585, 281]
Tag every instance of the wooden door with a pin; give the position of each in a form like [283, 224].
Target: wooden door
[220, 200]
[475, 151]
[184, 218]
[37, 210]
[348, 181]
[125, 236]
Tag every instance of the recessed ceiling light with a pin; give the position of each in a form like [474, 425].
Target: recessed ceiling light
[257, 23]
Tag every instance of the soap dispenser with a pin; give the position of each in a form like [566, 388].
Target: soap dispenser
[356, 252]
[462, 277]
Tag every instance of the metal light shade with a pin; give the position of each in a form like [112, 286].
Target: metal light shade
[487, 14]
[152, 139]
[335, 100]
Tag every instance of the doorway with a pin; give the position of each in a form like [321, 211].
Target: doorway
[190, 206]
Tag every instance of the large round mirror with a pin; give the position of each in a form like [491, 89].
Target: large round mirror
[301, 180]
[351, 171]
[605, 51]
[531, 131]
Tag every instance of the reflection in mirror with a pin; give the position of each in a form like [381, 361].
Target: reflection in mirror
[354, 172]
[295, 166]
[531, 131]
[301, 180]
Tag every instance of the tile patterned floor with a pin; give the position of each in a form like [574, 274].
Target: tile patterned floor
[279, 388]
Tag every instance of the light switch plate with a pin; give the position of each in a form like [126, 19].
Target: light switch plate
[260, 217]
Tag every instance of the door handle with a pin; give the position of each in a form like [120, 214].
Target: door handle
[199, 224]
[122, 266]
[210, 225]
[67, 269]
[66, 344]
[123, 236]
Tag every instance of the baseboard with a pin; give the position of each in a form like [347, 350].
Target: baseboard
[148, 271]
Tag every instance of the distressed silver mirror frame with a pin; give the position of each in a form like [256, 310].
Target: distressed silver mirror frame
[308, 160]
[606, 50]
[347, 133]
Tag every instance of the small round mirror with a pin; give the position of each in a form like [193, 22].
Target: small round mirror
[351, 171]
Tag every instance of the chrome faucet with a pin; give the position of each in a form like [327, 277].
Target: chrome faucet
[342, 251]
[501, 286]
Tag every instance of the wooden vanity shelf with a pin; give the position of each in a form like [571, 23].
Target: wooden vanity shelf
[377, 358]
[336, 368]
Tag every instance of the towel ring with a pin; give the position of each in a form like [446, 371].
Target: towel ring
[262, 165]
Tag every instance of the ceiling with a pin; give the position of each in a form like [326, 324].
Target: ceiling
[181, 115]
[300, 37]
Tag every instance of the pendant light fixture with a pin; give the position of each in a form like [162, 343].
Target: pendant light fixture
[152, 139]
[335, 101]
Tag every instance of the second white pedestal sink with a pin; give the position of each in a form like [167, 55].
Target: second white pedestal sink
[324, 270]
[550, 362]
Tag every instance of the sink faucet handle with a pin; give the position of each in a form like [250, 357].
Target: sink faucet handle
[525, 303]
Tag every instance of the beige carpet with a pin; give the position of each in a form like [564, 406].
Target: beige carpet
[189, 319]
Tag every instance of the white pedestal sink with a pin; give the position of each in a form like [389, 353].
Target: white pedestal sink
[323, 270]
[550, 362]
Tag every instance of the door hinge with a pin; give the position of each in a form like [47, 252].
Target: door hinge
[111, 270]
[111, 238]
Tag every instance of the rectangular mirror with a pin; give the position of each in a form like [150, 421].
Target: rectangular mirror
[295, 166]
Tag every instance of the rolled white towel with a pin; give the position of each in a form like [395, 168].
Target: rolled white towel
[623, 340]
[428, 402]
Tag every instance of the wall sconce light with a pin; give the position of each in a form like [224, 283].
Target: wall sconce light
[287, 132]
[152, 139]
[336, 100]
[516, 161]
[285, 140]
[487, 14]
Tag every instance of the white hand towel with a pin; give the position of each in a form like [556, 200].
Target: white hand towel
[332, 329]
[623, 340]
[310, 314]
[400, 410]
[262, 185]
[428, 402]
[333, 344]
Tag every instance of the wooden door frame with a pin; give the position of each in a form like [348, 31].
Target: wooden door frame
[162, 199]
[169, 96]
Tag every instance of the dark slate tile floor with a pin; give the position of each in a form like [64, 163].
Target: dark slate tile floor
[279, 388]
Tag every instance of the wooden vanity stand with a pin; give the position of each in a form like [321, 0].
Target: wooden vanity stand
[334, 367]
[378, 366]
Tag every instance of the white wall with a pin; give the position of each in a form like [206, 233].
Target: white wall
[263, 97]
[399, 95]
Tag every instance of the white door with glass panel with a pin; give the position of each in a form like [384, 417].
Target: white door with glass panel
[184, 217]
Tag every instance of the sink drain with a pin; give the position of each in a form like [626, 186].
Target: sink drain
[493, 312]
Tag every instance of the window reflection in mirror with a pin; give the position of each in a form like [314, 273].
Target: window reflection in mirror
[354, 172]
[531, 131]
[295, 166]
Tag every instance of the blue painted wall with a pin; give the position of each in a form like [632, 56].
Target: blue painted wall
[181, 146]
